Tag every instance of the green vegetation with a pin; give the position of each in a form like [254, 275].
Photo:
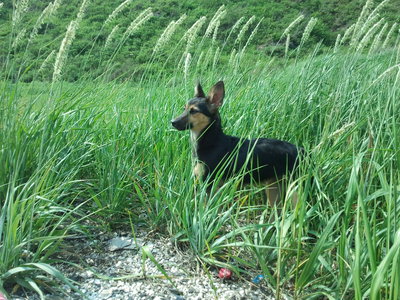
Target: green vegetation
[101, 148]
[96, 43]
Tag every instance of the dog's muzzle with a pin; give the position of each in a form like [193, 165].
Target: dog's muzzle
[181, 122]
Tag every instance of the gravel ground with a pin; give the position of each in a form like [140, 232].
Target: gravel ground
[103, 262]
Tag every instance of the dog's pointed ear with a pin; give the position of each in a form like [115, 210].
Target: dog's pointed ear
[198, 91]
[216, 95]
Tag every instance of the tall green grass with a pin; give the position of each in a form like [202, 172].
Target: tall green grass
[71, 151]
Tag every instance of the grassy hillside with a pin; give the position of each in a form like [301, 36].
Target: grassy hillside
[99, 152]
[94, 45]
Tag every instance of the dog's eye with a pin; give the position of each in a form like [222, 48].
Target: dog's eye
[193, 111]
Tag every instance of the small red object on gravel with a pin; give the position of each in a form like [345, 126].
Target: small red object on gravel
[224, 273]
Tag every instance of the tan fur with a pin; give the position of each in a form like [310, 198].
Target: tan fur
[198, 170]
[198, 121]
[275, 190]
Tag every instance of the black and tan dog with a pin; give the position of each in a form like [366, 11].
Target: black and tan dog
[260, 160]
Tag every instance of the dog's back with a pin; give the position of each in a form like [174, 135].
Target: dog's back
[258, 159]
[261, 160]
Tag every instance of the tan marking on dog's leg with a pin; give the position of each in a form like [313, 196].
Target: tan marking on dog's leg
[199, 170]
[295, 199]
[273, 191]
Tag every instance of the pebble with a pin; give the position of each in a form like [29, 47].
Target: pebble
[190, 282]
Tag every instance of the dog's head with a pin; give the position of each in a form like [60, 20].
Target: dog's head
[201, 110]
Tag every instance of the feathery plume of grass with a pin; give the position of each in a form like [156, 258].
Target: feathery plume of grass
[367, 37]
[191, 33]
[232, 57]
[199, 60]
[56, 5]
[360, 20]
[214, 38]
[216, 57]
[1, 4]
[293, 24]
[82, 11]
[244, 29]
[207, 57]
[366, 26]
[221, 12]
[21, 7]
[337, 43]
[111, 36]
[63, 51]
[252, 34]
[67, 41]
[167, 34]
[347, 33]
[378, 8]
[48, 11]
[388, 36]
[362, 31]
[19, 38]
[398, 46]
[188, 59]
[377, 39]
[46, 61]
[139, 20]
[308, 29]
[287, 44]
[116, 11]
[235, 27]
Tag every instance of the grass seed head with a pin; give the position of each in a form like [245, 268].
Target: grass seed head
[244, 29]
[307, 31]
[251, 37]
[292, 25]
[116, 11]
[140, 20]
[48, 11]
[82, 10]
[192, 32]
[232, 57]
[221, 12]
[287, 44]
[337, 43]
[188, 59]
[361, 19]
[46, 61]
[167, 34]
[216, 57]
[389, 35]
[55, 6]
[347, 34]
[111, 36]
[367, 37]
[214, 38]
[365, 21]
[21, 7]
[18, 39]
[63, 51]
[67, 41]
[376, 43]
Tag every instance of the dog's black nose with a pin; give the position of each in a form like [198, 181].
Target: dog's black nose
[176, 124]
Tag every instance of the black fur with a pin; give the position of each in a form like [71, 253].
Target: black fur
[267, 159]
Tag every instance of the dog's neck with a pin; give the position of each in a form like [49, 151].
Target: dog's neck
[208, 137]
